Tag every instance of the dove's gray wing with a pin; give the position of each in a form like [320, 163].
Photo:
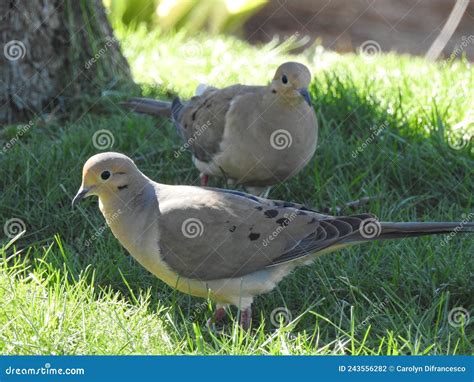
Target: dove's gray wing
[224, 234]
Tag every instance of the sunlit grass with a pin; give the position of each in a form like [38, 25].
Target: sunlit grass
[179, 63]
[60, 295]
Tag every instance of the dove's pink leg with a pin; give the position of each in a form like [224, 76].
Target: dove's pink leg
[204, 179]
[219, 315]
[246, 318]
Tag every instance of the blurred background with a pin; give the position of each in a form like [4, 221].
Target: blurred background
[404, 26]
[98, 46]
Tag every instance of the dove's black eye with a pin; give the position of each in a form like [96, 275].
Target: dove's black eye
[105, 175]
[284, 79]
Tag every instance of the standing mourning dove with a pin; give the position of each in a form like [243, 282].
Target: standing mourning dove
[255, 136]
[226, 245]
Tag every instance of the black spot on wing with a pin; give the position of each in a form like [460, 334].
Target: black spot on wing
[270, 213]
[254, 236]
[283, 222]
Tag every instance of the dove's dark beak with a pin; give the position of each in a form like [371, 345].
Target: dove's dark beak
[81, 194]
[305, 94]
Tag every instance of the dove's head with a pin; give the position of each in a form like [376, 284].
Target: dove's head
[108, 175]
[292, 80]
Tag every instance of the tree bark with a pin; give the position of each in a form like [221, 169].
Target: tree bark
[53, 53]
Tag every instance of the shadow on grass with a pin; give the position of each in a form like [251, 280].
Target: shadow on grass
[365, 149]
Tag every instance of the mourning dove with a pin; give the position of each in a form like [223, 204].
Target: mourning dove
[256, 136]
[223, 244]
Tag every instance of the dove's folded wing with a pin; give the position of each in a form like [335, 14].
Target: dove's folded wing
[201, 120]
[217, 234]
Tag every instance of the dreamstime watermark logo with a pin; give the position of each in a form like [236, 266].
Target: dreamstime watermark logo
[465, 42]
[13, 227]
[370, 228]
[20, 132]
[376, 130]
[460, 143]
[198, 310]
[14, 50]
[45, 370]
[191, 140]
[192, 228]
[287, 219]
[456, 230]
[462, 134]
[110, 41]
[192, 51]
[98, 232]
[458, 317]
[103, 139]
[370, 49]
[377, 309]
[281, 139]
[280, 316]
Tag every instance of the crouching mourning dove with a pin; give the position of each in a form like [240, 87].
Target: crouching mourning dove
[256, 136]
[226, 245]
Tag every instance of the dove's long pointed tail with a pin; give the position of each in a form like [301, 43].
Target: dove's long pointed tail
[148, 106]
[374, 230]
[357, 229]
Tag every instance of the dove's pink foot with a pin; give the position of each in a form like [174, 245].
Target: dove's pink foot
[204, 180]
[219, 315]
[246, 318]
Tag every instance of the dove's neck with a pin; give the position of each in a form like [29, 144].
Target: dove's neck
[131, 211]
[288, 101]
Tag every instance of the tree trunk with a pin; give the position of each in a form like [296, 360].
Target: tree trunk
[53, 53]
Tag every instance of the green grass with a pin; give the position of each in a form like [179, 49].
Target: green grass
[66, 290]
